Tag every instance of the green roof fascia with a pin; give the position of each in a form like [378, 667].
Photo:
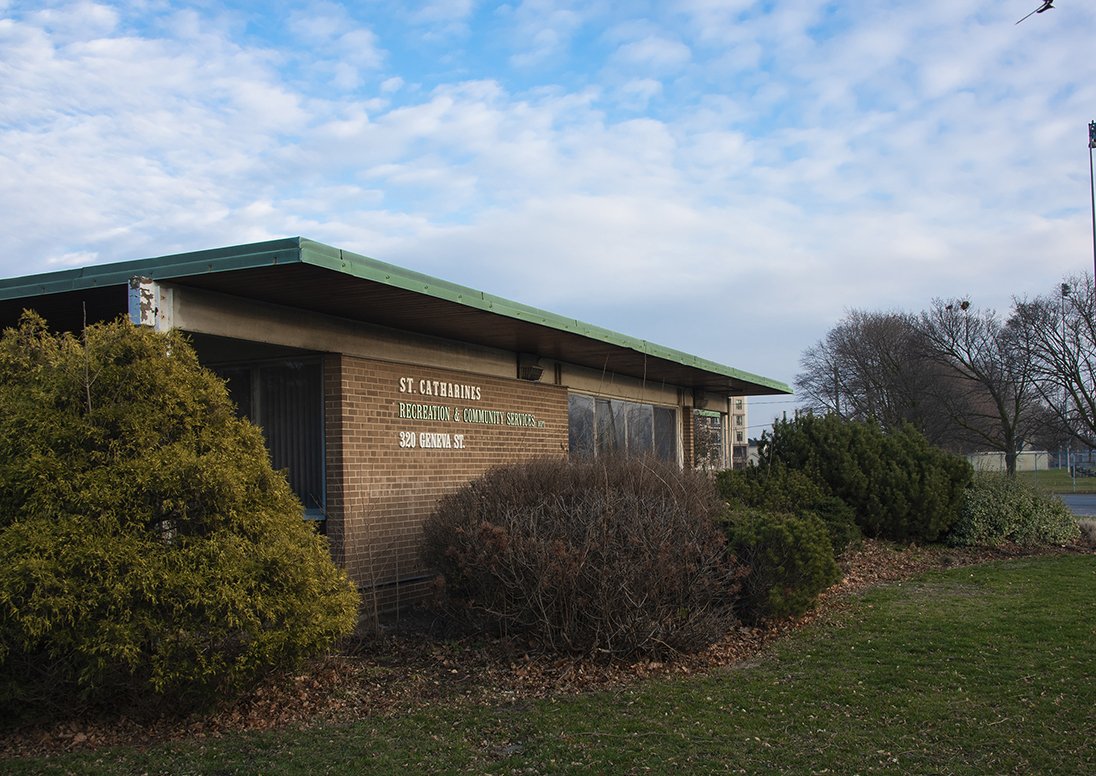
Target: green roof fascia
[299, 250]
[349, 263]
[285, 251]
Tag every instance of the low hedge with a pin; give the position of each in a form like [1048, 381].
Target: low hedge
[998, 509]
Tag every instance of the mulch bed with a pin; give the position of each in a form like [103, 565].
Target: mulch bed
[406, 667]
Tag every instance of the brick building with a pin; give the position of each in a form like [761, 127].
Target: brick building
[380, 389]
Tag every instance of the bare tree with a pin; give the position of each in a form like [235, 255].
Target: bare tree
[1059, 337]
[871, 366]
[988, 392]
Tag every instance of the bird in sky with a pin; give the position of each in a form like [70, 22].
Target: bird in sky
[1046, 6]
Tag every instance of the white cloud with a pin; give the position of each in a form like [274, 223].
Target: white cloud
[441, 20]
[75, 259]
[543, 29]
[334, 33]
[118, 139]
[637, 94]
[434, 11]
[653, 53]
[76, 20]
[732, 166]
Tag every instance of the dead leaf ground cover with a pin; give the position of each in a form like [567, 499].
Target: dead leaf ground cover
[409, 666]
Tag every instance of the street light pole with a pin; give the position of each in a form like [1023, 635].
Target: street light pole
[1092, 190]
[1066, 290]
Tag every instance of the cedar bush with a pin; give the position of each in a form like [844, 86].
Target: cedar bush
[790, 561]
[899, 486]
[149, 554]
[999, 509]
[602, 557]
[776, 488]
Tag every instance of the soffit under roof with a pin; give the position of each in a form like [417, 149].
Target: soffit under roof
[302, 274]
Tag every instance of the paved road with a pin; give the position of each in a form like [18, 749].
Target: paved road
[1081, 504]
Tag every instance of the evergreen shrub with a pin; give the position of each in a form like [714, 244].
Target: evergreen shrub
[900, 487]
[149, 554]
[790, 561]
[1000, 509]
[601, 557]
[777, 488]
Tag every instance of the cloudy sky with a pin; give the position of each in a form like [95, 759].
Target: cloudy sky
[726, 177]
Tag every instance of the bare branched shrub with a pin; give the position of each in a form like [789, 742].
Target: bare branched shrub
[604, 557]
[1087, 526]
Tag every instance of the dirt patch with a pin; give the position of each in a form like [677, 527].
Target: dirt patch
[413, 664]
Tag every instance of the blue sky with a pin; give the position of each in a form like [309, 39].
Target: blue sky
[725, 177]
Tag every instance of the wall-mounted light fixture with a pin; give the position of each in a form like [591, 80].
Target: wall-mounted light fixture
[529, 367]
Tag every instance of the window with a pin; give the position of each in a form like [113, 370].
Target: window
[612, 426]
[739, 437]
[738, 404]
[285, 399]
[740, 420]
[708, 450]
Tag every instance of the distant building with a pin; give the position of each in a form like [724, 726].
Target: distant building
[379, 390]
[1026, 461]
[753, 457]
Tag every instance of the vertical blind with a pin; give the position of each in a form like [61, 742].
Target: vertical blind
[285, 399]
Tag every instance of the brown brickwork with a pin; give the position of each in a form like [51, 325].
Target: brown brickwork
[688, 434]
[379, 492]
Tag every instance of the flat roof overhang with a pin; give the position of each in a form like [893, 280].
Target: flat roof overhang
[303, 274]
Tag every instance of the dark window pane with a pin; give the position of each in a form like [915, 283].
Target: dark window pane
[239, 388]
[617, 427]
[665, 433]
[609, 415]
[580, 424]
[640, 428]
[291, 416]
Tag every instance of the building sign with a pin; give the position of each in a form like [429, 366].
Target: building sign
[422, 405]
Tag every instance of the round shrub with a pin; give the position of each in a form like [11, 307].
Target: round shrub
[148, 551]
[776, 488]
[840, 521]
[899, 486]
[999, 509]
[602, 557]
[790, 561]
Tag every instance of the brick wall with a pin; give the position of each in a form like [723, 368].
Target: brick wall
[379, 492]
[688, 436]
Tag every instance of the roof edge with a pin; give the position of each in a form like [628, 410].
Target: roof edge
[300, 250]
[328, 257]
[176, 265]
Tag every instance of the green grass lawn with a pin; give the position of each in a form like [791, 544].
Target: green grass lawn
[984, 670]
[1059, 481]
